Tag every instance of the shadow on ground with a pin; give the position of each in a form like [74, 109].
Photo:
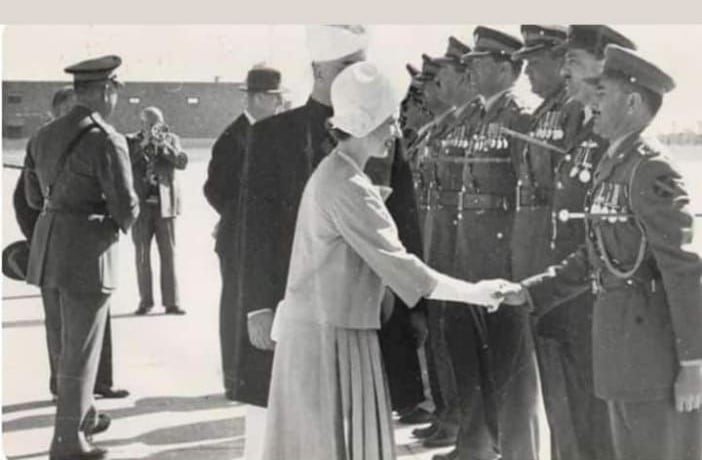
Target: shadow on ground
[140, 407]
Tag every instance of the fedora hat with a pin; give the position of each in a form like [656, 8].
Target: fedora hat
[263, 80]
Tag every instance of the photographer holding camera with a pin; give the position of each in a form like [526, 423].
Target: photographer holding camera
[155, 154]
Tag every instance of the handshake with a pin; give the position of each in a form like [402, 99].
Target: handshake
[489, 293]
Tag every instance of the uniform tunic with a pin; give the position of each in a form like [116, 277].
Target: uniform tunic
[328, 394]
[580, 427]
[74, 249]
[503, 416]
[645, 273]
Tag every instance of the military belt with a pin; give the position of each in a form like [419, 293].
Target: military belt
[464, 200]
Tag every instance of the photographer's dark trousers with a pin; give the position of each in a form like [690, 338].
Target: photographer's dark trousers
[150, 224]
[52, 322]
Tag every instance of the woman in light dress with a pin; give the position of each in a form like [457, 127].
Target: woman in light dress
[328, 397]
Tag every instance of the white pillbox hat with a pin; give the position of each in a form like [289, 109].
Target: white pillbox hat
[362, 99]
[330, 42]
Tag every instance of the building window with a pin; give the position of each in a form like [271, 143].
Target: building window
[193, 100]
[134, 100]
[14, 98]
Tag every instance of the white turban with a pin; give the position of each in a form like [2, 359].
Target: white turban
[330, 42]
[362, 99]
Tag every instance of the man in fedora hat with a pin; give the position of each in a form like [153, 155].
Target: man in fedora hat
[77, 172]
[222, 188]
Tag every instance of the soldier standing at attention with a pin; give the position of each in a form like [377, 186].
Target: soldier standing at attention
[444, 179]
[78, 173]
[578, 419]
[555, 121]
[503, 417]
[640, 262]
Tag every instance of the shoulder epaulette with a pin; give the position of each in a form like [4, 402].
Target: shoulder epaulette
[100, 123]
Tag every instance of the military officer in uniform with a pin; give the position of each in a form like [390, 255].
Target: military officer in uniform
[448, 141]
[502, 417]
[222, 189]
[578, 419]
[413, 111]
[418, 144]
[640, 263]
[555, 122]
[26, 216]
[78, 172]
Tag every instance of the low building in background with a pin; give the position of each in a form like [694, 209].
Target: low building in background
[194, 109]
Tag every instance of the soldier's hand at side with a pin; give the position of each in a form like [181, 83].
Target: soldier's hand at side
[259, 329]
[688, 388]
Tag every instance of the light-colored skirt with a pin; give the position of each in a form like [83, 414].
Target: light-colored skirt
[328, 396]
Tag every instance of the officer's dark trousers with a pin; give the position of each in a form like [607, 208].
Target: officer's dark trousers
[150, 224]
[52, 322]
[505, 414]
[579, 423]
[439, 235]
[441, 370]
[229, 320]
[466, 334]
[83, 316]
[654, 430]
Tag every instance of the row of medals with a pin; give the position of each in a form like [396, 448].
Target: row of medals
[549, 127]
[607, 203]
[489, 138]
[582, 166]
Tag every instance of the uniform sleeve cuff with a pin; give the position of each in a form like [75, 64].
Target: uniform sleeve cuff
[695, 362]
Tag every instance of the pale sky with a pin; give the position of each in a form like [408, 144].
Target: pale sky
[202, 52]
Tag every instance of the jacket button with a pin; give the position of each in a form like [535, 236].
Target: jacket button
[500, 236]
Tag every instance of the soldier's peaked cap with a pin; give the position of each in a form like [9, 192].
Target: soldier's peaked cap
[429, 68]
[539, 38]
[96, 69]
[488, 41]
[627, 65]
[454, 52]
[594, 38]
